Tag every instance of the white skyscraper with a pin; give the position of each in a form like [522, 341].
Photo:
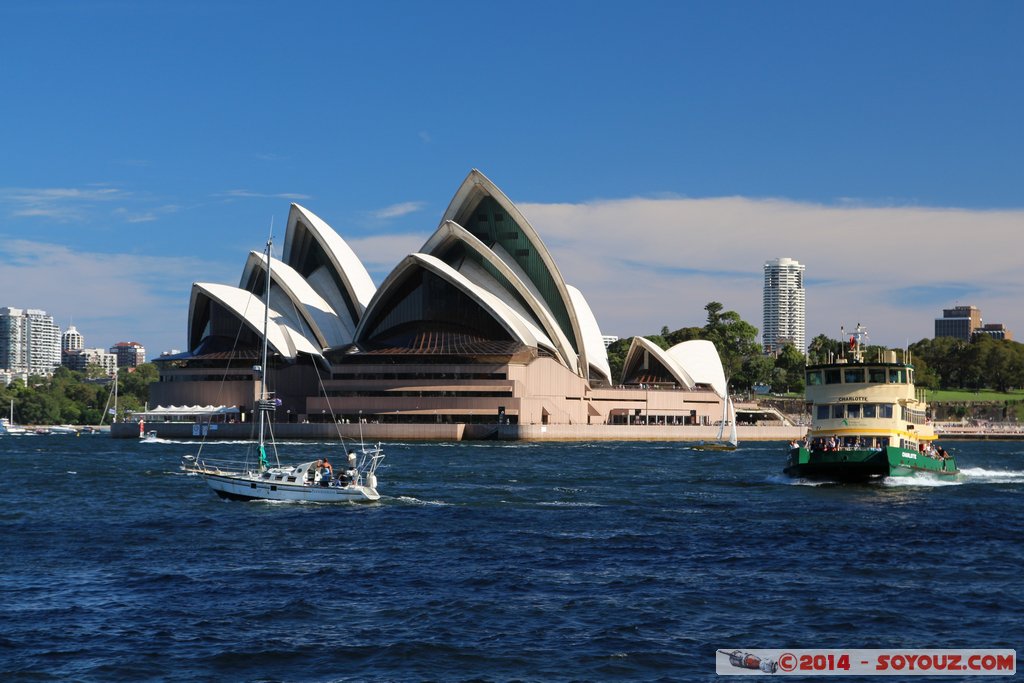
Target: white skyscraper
[29, 341]
[72, 340]
[784, 305]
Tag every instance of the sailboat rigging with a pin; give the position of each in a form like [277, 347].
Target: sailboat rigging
[9, 427]
[314, 481]
[723, 443]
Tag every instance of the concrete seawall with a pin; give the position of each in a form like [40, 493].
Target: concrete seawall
[454, 432]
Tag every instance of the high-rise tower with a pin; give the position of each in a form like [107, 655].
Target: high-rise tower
[784, 305]
[29, 341]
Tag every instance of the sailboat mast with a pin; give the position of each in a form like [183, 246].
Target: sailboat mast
[263, 354]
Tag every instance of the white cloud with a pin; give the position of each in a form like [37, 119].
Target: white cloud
[249, 194]
[381, 253]
[58, 203]
[645, 263]
[398, 210]
[109, 297]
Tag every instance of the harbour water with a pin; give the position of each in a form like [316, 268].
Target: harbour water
[492, 561]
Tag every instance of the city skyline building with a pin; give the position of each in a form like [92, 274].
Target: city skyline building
[995, 330]
[959, 322]
[784, 305]
[966, 324]
[30, 342]
[81, 359]
[129, 354]
[71, 340]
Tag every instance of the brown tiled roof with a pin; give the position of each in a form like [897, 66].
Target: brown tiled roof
[449, 344]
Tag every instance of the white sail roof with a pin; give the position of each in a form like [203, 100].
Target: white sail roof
[520, 295]
[518, 327]
[690, 363]
[327, 328]
[593, 342]
[701, 361]
[474, 189]
[282, 335]
[327, 262]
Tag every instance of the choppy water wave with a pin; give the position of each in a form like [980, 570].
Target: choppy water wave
[920, 479]
[417, 501]
[983, 475]
[551, 562]
[787, 480]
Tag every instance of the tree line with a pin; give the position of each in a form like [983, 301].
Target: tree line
[76, 397]
[743, 360]
[940, 363]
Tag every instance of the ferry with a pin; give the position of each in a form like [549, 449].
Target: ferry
[868, 421]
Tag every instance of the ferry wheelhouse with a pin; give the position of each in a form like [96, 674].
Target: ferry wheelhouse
[867, 421]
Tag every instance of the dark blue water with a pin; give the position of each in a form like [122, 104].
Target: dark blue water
[492, 562]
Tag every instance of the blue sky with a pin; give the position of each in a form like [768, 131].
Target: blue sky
[663, 150]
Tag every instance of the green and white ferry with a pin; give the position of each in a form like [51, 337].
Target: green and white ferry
[867, 422]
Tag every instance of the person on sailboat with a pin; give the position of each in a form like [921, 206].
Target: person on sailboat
[326, 472]
[351, 474]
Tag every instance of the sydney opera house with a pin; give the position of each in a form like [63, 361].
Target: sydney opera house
[475, 335]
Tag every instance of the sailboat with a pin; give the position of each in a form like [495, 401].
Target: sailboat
[8, 426]
[313, 481]
[722, 442]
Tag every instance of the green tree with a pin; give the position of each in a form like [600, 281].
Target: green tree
[822, 349]
[617, 357]
[789, 370]
[683, 334]
[757, 369]
[735, 339]
[136, 383]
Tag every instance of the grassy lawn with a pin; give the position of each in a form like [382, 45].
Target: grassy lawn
[967, 396]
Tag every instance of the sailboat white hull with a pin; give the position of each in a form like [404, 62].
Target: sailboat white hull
[312, 481]
[248, 487]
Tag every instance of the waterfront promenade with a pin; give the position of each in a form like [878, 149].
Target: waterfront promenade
[456, 432]
[1005, 431]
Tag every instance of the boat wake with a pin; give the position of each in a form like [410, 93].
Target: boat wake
[968, 475]
[417, 501]
[787, 480]
[920, 480]
[980, 475]
[569, 504]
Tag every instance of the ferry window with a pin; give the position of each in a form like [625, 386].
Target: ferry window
[822, 412]
[869, 410]
[832, 377]
[876, 375]
[910, 376]
[854, 376]
[853, 411]
[885, 410]
[896, 376]
[814, 378]
[837, 410]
